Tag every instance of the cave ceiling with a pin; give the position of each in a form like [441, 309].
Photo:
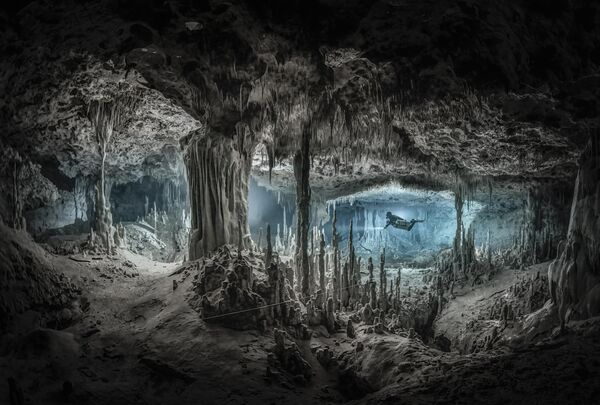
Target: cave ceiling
[406, 90]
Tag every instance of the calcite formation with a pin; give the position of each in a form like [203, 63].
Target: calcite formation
[218, 172]
[574, 275]
[232, 288]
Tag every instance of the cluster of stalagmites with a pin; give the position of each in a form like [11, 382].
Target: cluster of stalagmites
[233, 288]
[381, 305]
[245, 289]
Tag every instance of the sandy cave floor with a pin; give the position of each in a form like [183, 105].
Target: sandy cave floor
[140, 343]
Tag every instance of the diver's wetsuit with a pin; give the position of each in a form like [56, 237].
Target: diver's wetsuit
[400, 223]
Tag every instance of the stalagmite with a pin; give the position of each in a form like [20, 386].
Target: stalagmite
[322, 263]
[456, 247]
[269, 251]
[357, 280]
[398, 284]
[218, 168]
[336, 266]
[301, 174]
[259, 244]
[489, 250]
[312, 269]
[574, 276]
[373, 294]
[351, 260]
[382, 282]
[330, 315]
[345, 290]
[350, 240]
[350, 331]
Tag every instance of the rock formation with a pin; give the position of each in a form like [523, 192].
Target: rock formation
[574, 276]
[301, 173]
[233, 289]
[218, 167]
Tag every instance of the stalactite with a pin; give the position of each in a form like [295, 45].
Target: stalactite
[301, 174]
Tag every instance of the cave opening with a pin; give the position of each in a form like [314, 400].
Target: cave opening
[155, 215]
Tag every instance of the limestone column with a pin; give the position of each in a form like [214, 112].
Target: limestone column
[218, 168]
[302, 174]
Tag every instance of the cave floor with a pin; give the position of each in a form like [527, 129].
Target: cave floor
[471, 302]
[139, 342]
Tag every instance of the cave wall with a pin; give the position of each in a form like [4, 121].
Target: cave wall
[71, 212]
[29, 280]
[70, 208]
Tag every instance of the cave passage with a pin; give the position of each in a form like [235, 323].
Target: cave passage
[367, 210]
[299, 202]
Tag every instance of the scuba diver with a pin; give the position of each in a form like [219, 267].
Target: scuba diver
[400, 223]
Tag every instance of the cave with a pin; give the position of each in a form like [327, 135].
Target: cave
[308, 201]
